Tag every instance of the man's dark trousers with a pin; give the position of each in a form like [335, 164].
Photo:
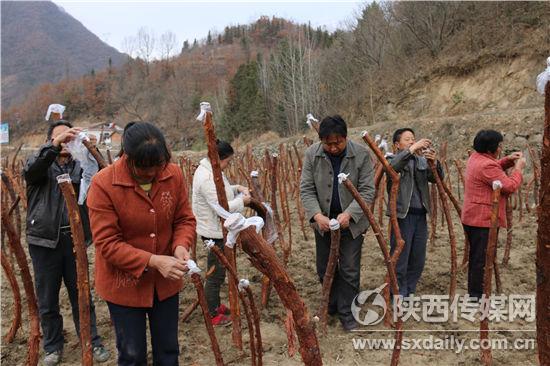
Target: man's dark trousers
[50, 267]
[345, 285]
[409, 267]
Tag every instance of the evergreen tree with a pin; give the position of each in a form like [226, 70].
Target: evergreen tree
[245, 112]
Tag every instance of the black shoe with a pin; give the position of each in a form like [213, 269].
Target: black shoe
[349, 324]
[332, 310]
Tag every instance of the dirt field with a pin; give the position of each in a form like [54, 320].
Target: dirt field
[336, 346]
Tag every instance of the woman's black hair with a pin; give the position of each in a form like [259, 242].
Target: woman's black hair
[225, 150]
[145, 146]
[60, 122]
[397, 134]
[121, 151]
[487, 141]
[333, 125]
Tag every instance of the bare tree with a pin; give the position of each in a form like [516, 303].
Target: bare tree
[167, 44]
[431, 23]
[129, 45]
[146, 42]
[371, 36]
[291, 81]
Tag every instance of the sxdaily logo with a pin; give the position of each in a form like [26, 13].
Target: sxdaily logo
[372, 317]
[369, 307]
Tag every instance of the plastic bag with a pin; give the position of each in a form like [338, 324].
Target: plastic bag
[543, 78]
[87, 162]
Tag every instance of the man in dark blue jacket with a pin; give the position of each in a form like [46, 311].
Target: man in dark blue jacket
[48, 234]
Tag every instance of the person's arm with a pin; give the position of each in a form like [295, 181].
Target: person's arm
[506, 162]
[400, 160]
[493, 172]
[36, 168]
[365, 186]
[308, 191]
[208, 191]
[184, 221]
[107, 234]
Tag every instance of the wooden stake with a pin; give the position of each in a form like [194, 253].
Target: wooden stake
[328, 278]
[452, 239]
[543, 243]
[34, 329]
[486, 356]
[197, 281]
[16, 322]
[222, 200]
[83, 282]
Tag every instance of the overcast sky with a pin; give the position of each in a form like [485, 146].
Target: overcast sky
[112, 21]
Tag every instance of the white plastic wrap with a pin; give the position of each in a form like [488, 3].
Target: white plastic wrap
[334, 225]
[236, 223]
[342, 177]
[543, 77]
[205, 107]
[193, 268]
[87, 162]
[55, 108]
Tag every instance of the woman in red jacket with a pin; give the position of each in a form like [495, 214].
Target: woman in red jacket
[482, 170]
[142, 226]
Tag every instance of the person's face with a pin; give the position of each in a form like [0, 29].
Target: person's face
[334, 144]
[56, 132]
[225, 162]
[146, 175]
[406, 140]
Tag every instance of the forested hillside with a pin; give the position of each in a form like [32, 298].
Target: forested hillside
[400, 59]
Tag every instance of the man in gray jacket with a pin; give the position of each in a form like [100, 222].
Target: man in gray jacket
[413, 203]
[324, 199]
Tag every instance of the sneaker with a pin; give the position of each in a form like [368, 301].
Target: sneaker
[101, 354]
[52, 358]
[221, 320]
[222, 309]
[349, 325]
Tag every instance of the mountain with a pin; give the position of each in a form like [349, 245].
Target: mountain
[42, 43]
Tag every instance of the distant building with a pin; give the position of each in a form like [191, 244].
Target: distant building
[106, 133]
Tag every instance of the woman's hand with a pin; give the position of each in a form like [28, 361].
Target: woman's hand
[243, 190]
[181, 253]
[520, 164]
[515, 155]
[169, 267]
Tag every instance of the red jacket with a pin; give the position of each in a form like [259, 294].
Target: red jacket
[481, 171]
[128, 227]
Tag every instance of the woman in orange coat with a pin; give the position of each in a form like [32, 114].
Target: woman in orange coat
[482, 170]
[142, 226]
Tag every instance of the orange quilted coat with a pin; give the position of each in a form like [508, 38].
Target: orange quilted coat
[128, 226]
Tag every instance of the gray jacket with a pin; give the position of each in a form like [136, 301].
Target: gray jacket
[317, 178]
[421, 176]
[45, 202]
